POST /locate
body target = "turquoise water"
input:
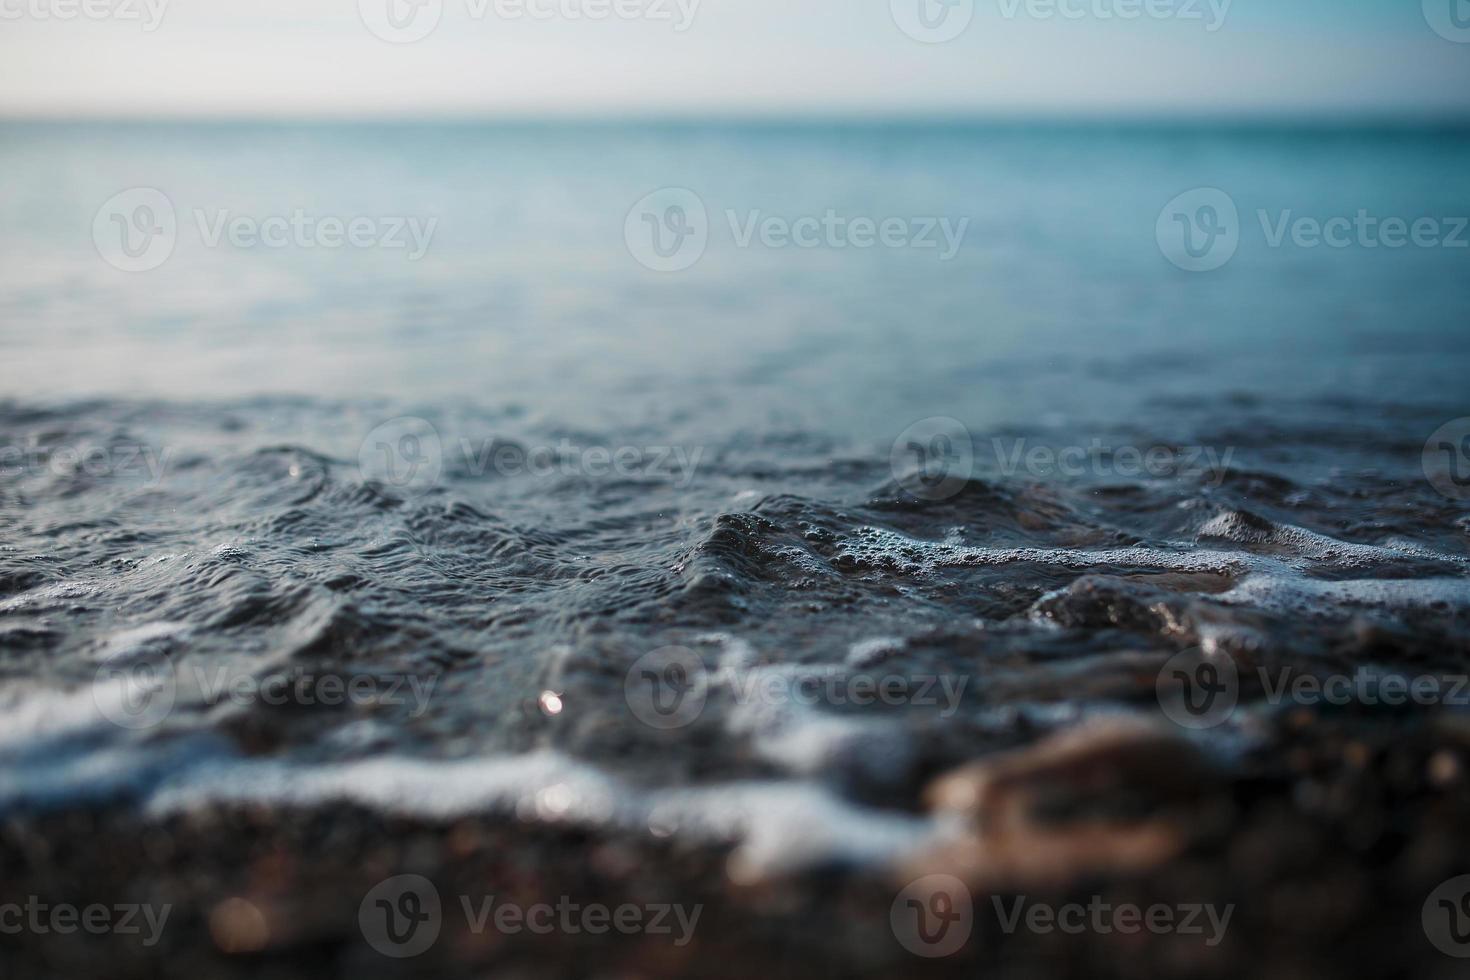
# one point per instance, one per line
(1058, 300)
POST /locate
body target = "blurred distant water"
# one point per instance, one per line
(1058, 302)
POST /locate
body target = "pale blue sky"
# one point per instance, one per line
(316, 57)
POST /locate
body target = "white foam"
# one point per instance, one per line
(929, 555)
(774, 716)
(543, 785)
(777, 826)
(1278, 592)
(1302, 543)
(1299, 546)
(137, 640)
(32, 714)
(56, 591)
(59, 747)
(869, 652)
(785, 826)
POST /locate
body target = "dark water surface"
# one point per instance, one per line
(496, 485)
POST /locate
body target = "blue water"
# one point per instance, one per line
(1059, 300)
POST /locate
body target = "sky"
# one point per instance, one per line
(394, 58)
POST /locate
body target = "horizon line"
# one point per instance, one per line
(1310, 117)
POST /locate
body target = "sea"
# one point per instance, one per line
(725, 480)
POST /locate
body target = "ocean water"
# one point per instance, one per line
(518, 485)
(1057, 301)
